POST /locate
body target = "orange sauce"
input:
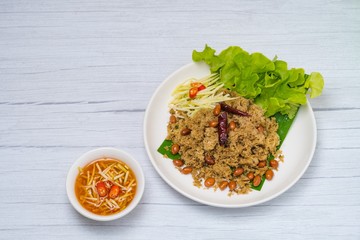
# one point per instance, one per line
(105, 186)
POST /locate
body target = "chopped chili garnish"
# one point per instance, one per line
(192, 92)
(196, 84)
(196, 87)
(201, 87)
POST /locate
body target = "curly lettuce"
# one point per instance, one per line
(270, 83)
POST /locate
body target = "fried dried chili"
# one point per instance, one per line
(232, 110)
(222, 128)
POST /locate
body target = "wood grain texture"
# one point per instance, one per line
(76, 75)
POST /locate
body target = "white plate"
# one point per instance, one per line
(298, 148)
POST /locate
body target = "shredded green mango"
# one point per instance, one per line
(206, 98)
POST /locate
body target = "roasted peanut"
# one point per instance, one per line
(257, 181)
(274, 164)
(178, 162)
(209, 182)
(172, 119)
(232, 185)
(260, 128)
(213, 123)
(217, 110)
(223, 185)
(261, 164)
(210, 160)
(186, 170)
(175, 149)
(232, 125)
(185, 131)
(269, 174)
(238, 172)
(250, 175)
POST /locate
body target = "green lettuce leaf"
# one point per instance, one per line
(270, 83)
(316, 84)
(208, 56)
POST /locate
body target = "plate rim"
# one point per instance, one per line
(148, 151)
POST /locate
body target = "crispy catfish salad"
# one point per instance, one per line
(226, 129)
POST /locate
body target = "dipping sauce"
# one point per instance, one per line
(105, 186)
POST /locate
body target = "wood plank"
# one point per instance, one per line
(76, 75)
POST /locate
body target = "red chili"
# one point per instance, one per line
(202, 87)
(114, 191)
(101, 189)
(195, 88)
(192, 92)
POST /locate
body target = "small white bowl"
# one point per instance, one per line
(89, 157)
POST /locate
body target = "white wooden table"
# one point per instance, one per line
(77, 75)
